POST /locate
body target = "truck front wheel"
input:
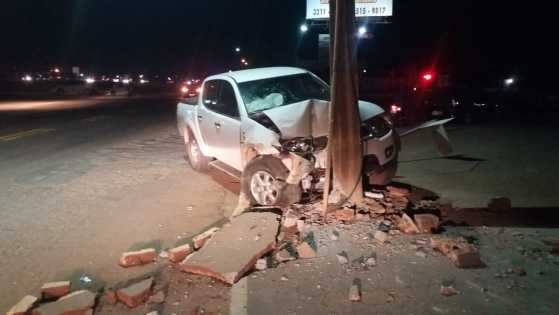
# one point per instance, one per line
(264, 181)
(196, 158)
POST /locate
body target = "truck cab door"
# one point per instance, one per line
(221, 124)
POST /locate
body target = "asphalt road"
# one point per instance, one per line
(85, 180)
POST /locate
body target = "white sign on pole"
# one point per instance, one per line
(320, 9)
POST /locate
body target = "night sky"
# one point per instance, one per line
(180, 35)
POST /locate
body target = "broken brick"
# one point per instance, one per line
(179, 253)
(345, 215)
(499, 204)
(157, 298)
(398, 191)
(135, 294)
(355, 291)
(141, 257)
(76, 303)
(23, 306)
(110, 297)
(55, 290)
(446, 245)
(407, 225)
(466, 257)
(301, 226)
(305, 251)
(426, 223)
(448, 290)
(381, 236)
(201, 239)
(284, 255)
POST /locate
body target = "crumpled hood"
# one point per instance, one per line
(310, 118)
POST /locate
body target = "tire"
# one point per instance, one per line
(196, 158)
(263, 180)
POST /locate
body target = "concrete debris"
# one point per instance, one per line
(355, 291)
(371, 260)
(342, 258)
(306, 251)
(179, 253)
(55, 290)
(157, 298)
(79, 303)
(499, 204)
(164, 254)
(23, 306)
(153, 313)
(426, 223)
(381, 236)
(345, 215)
(284, 278)
(459, 251)
(407, 226)
(448, 291)
(261, 264)
(137, 258)
(135, 294)
(201, 239)
(237, 243)
(374, 195)
(398, 191)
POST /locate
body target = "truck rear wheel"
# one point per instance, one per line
(196, 158)
(264, 181)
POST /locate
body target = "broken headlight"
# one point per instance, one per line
(374, 128)
(298, 145)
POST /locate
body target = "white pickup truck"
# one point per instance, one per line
(269, 127)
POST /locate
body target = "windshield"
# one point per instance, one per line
(265, 94)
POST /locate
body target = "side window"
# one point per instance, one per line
(211, 94)
(219, 97)
(228, 101)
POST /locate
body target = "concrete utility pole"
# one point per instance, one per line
(345, 159)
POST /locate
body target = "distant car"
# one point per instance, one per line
(190, 88)
(71, 88)
(467, 106)
(109, 88)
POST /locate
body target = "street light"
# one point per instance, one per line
(304, 28)
(237, 49)
(362, 31)
(509, 81)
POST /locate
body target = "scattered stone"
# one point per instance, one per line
(517, 271)
(137, 258)
(420, 242)
(284, 278)
(201, 239)
(381, 236)
(261, 264)
(55, 290)
(301, 226)
(23, 306)
(79, 302)
(110, 297)
(157, 298)
(179, 253)
(362, 217)
(407, 225)
(135, 294)
(342, 258)
(426, 223)
(164, 254)
(499, 204)
(421, 253)
(466, 257)
(306, 251)
(153, 313)
(448, 290)
(284, 255)
(334, 235)
(290, 221)
(446, 245)
(345, 215)
(237, 244)
(355, 291)
(371, 260)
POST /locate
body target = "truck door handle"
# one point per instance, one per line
(217, 125)
(200, 117)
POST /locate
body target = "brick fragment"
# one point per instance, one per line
(398, 191)
(110, 297)
(135, 294)
(137, 258)
(466, 257)
(407, 226)
(355, 291)
(381, 236)
(305, 251)
(179, 253)
(55, 290)
(75, 303)
(23, 306)
(426, 223)
(201, 239)
(345, 215)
